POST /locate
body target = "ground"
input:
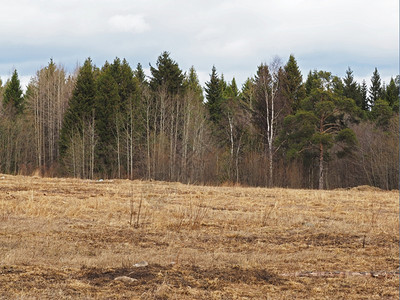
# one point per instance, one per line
(70, 239)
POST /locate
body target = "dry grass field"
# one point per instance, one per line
(70, 238)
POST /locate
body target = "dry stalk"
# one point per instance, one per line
(139, 209)
(131, 207)
(267, 213)
(192, 216)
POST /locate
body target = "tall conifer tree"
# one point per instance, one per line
(364, 96)
(166, 73)
(319, 124)
(214, 96)
(350, 88)
(375, 89)
(13, 94)
(81, 106)
(107, 102)
(292, 83)
(392, 95)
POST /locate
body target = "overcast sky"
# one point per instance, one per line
(235, 36)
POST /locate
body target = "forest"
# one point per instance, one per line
(277, 130)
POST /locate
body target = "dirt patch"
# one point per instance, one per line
(182, 276)
(145, 275)
(366, 188)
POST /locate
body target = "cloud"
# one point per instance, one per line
(129, 23)
(233, 35)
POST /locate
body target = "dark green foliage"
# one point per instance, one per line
(320, 123)
(117, 124)
(81, 106)
(312, 82)
(292, 83)
(350, 88)
(247, 94)
(364, 103)
(214, 96)
(13, 95)
(107, 103)
(234, 88)
(347, 140)
(192, 83)
(123, 77)
(392, 95)
(231, 90)
(322, 80)
(381, 113)
(338, 86)
(375, 90)
(166, 74)
(222, 83)
(298, 131)
(139, 74)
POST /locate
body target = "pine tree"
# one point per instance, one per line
(214, 96)
(13, 95)
(337, 86)
(375, 89)
(292, 83)
(313, 81)
(381, 113)
(319, 124)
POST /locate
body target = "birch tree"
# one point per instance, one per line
(47, 100)
(268, 108)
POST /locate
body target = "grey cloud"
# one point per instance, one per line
(236, 36)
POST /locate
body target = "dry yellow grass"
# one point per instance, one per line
(69, 238)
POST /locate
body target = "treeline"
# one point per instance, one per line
(276, 130)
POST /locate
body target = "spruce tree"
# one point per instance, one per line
(13, 95)
(222, 83)
(247, 94)
(192, 82)
(107, 102)
(392, 95)
(292, 83)
(375, 89)
(123, 76)
(364, 96)
(139, 74)
(214, 96)
(81, 105)
(167, 74)
(350, 88)
(234, 89)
